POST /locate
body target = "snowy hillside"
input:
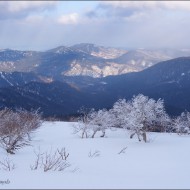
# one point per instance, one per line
(84, 60)
(99, 163)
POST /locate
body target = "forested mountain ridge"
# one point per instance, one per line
(169, 80)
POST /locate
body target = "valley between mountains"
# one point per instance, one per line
(62, 80)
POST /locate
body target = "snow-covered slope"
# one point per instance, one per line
(99, 51)
(15, 60)
(163, 163)
(85, 60)
(97, 71)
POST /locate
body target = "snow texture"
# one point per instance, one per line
(100, 163)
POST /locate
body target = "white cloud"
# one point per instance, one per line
(72, 18)
(136, 10)
(17, 9)
(16, 6)
(34, 19)
(129, 24)
(136, 16)
(171, 5)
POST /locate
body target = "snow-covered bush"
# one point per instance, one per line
(145, 114)
(182, 123)
(118, 113)
(16, 128)
(90, 122)
(55, 161)
(100, 121)
(139, 115)
(83, 123)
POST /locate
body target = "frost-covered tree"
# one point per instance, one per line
(145, 114)
(182, 123)
(100, 121)
(118, 113)
(83, 123)
(140, 114)
(90, 122)
(16, 128)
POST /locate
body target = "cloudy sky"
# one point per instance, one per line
(41, 25)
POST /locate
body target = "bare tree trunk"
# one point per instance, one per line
(144, 136)
(86, 134)
(10, 151)
(29, 137)
(103, 134)
(132, 135)
(138, 135)
(94, 134)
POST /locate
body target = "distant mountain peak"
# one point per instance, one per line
(84, 59)
(2, 50)
(99, 51)
(60, 49)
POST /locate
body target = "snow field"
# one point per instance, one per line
(162, 163)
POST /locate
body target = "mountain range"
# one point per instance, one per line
(84, 59)
(62, 80)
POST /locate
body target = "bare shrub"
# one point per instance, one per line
(7, 164)
(122, 151)
(16, 128)
(96, 153)
(56, 161)
(38, 162)
(81, 129)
